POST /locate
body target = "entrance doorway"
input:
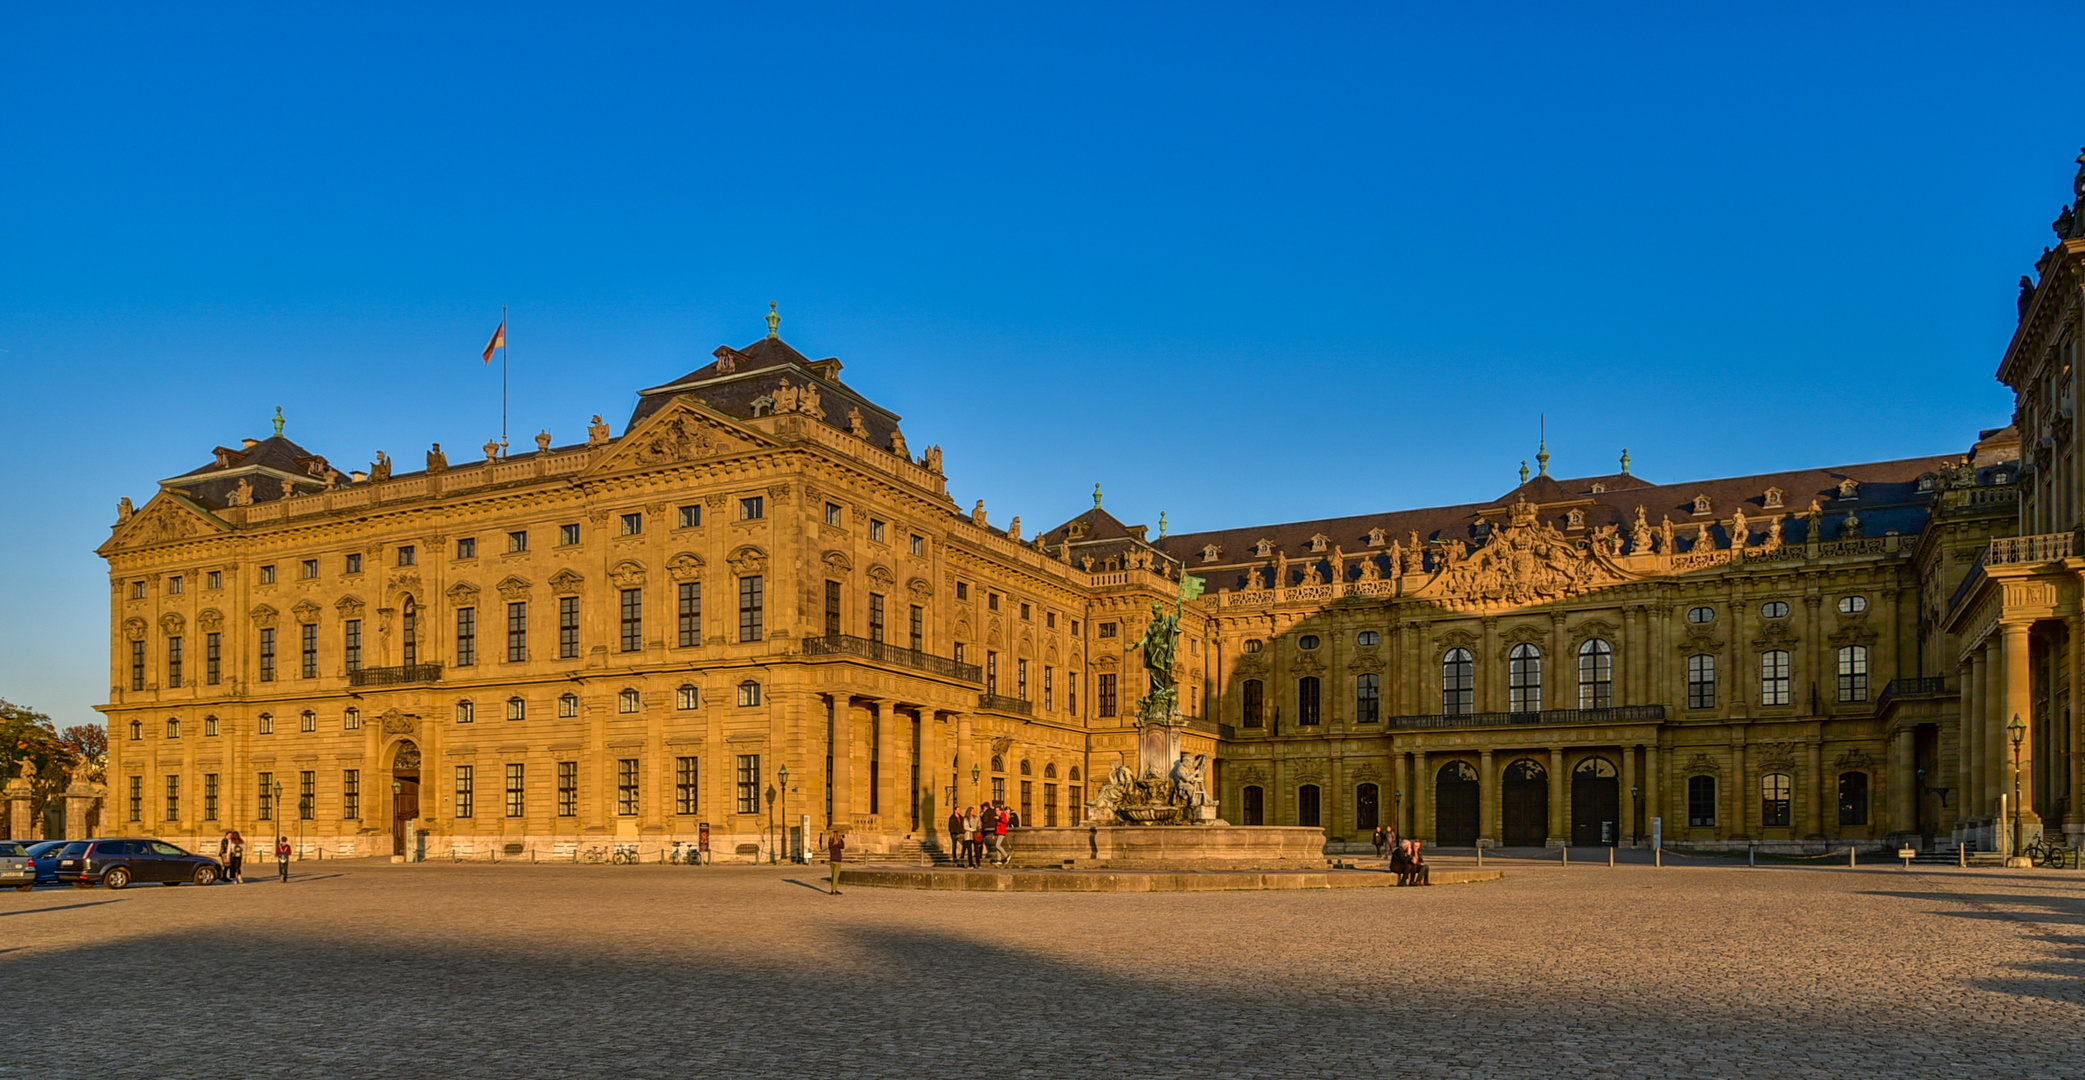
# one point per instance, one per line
(1455, 802)
(405, 793)
(1596, 804)
(1525, 800)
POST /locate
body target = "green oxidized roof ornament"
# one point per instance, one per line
(278, 421)
(774, 319)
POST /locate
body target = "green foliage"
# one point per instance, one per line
(28, 735)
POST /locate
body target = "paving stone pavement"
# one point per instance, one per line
(372, 970)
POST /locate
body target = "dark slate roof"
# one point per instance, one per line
(725, 385)
(1888, 500)
(212, 484)
(1100, 525)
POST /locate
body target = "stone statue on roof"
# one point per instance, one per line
(1740, 529)
(436, 459)
(1339, 565)
(1665, 540)
(1396, 558)
(855, 426)
(897, 444)
(1640, 534)
(124, 510)
(241, 495)
(380, 469)
(597, 432)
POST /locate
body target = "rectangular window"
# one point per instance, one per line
(685, 778)
(267, 654)
(567, 627)
(466, 711)
(173, 798)
(690, 614)
(352, 564)
(876, 617)
(267, 800)
(633, 524)
(1108, 629)
(1071, 692)
(1021, 679)
(309, 665)
(999, 789)
(1025, 614)
(750, 626)
(1773, 677)
(517, 632)
(1701, 681)
(568, 535)
(267, 576)
(137, 800)
(466, 790)
(215, 579)
(174, 662)
(918, 628)
(351, 720)
(1049, 687)
(1027, 802)
(517, 708)
(1307, 700)
(991, 672)
(568, 789)
(748, 801)
(958, 652)
(626, 787)
(919, 544)
(517, 541)
(1774, 802)
(691, 516)
(308, 721)
(1368, 698)
(1853, 673)
(307, 795)
(310, 569)
(1049, 806)
(832, 513)
(633, 620)
(1050, 620)
(1107, 693)
(407, 555)
(351, 794)
(137, 590)
(466, 636)
(209, 796)
(352, 644)
(832, 609)
(466, 548)
(752, 509)
(1701, 800)
(992, 601)
(137, 665)
(516, 801)
(962, 590)
(213, 658)
(265, 724)
(876, 530)
(175, 583)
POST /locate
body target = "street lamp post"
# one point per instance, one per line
(783, 775)
(1399, 819)
(975, 774)
(1635, 812)
(2018, 731)
(277, 808)
(771, 825)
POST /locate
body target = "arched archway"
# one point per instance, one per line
(1596, 803)
(1524, 798)
(1455, 802)
(405, 791)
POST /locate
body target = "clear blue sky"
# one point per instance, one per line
(1239, 263)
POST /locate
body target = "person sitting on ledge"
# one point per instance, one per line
(1416, 870)
(1401, 863)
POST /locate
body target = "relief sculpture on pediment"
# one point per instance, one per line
(1527, 562)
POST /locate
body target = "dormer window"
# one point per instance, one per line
(1575, 519)
(1926, 483)
(1598, 488)
(1264, 549)
(1376, 538)
(1211, 553)
(1773, 498)
(2001, 477)
(1317, 543)
(1702, 505)
(1849, 489)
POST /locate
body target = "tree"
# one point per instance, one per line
(88, 744)
(29, 736)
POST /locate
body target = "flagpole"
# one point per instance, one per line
(505, 351)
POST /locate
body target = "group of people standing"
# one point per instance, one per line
(231, 852)
(976, 835)
(1406, 861)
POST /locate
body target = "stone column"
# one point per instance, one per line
(1631, 798)
(1651, 806)
(1992, 731)
(1490, 681)
(1813, 814)
(17, 794)
(1400, 792)
(1903, 781)
(80, 798)
(1736, 827)
(1422, 798)
(1965, 741)
(966, 760)
(2019, 702)
(1556, 796)
(842, 751)
(1553, 677)
(1487, 800)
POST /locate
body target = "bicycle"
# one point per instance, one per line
(686, 854)
(594, 855)
(2048, 851)
(625, 855)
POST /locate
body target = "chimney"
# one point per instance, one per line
(358, 475)
(249, 444)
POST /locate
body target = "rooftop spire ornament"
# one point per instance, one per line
(1542, 452)
(1523, 470)
(1625, 461)
(774, 320)
(1161, 524)
(278, 421)
(1096, 496)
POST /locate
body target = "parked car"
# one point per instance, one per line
(17, 869)
(118, 861)
(45, 852)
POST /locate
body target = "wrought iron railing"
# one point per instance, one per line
(1627, 714)
(1922, 686)
(2013, 550)
(395, 676)
(1001, 703)
(883, 652)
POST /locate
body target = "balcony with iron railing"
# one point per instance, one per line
(884, 652)
(1004, 704)
(1627, 714)
(2014, 551)
(395, 676)
(1922, 686)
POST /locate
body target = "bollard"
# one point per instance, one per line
(1610, 857)
(1962, 854)
(1751, 855)
(1566, 852)
(1658, 858)
(1850, 857)
(1480, 855)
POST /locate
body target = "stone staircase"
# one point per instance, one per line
(912, 853)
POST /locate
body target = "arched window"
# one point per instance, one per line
(1701, 681)
(1253, 702)
(998, 763)
(1050, 771)
(1074, 774)
(1254, 644)
(1524, 679)
(1368, 698)
(409, 631)
(1308, 805)
(1596, 675)
(1774, 791)
(1307, 700)
(1026, 768)
(1773, 677)
(568, 705)
(1853, 673)
(517, 709)
(748, 693)
(1458, 683)
(1307, 642)
(1368, 807)
(687, 697)
(1367, 637)
(1701, 800)
(466, 712)
(173, 727)
(137, 730)
(1699, 615)
(1255, 800)
(1853, 798)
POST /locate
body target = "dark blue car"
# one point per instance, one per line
(45, 853)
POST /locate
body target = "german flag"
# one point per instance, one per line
(499, 341)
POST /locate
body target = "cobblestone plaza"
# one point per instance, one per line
(369, 969)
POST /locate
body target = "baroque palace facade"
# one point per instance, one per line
(758, 612)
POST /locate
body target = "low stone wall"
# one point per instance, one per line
(1136, 880)
(1240, 846)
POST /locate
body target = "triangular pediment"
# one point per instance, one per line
(682, 431)
(168, 518)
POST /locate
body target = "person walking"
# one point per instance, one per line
(955, 834)
(282, 857)
(1006, 821)
(224, 854)
(836, 849)
(972, 837)
(235, 859)
(1382, 840)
